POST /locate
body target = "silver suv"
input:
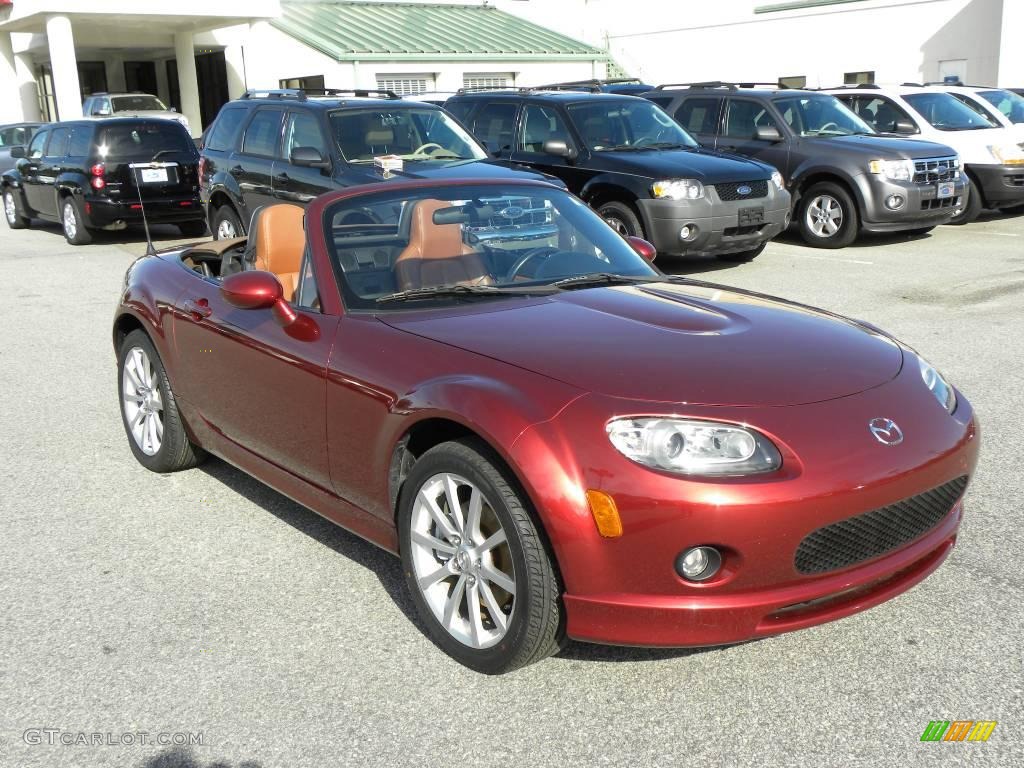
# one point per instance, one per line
(130, 105)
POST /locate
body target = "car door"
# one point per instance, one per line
(253, 165)
(738, 133)
(251, 381)
(30, 169)
(294, 183)
(50, 168)
(537, 124)
(495, 125)
(699, 116)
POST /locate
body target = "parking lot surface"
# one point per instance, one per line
(206, 603)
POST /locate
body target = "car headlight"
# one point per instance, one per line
(897, 170)
(677, 189)
(692, 447)
(938, 386)
(1007, 154)
(778, 181)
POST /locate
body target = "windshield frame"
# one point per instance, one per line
(913, 100)
(422, 109)
(668, 123)
(780, 102)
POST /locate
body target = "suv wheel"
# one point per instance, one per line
(226, 224)
(621, 218)
(14, 219)
(71, 220)
(971, 208)
(828, 216)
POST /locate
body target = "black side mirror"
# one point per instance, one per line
(558, 148)
(904, 126)
(768, 133)
(309, 157)
(17, 152)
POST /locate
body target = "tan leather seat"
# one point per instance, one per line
(280, 241)
(436, 254)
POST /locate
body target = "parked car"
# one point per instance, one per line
(843, 179)
(98, 174)
(558, 439)
(992, 158)
(134, 104)
(290, 146)
(13, 135)
(629, 161)
(1005, 106)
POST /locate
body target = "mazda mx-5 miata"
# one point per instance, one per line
(559, 440)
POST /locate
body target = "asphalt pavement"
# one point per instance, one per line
(203, 606)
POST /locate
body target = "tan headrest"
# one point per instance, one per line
(280, 238)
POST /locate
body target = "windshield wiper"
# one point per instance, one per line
(603, 278)
(668, 145)
(462, 290)
(622, 148)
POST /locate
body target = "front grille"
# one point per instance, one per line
(874, 533)
(730, 192)
(737, 231)
(931, 170)
(935, 203)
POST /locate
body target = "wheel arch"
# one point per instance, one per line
(809, 178)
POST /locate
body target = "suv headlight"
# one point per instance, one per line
(897, 170)
(778, 181)
(677, 189)
(938, 386)
(1007, 154)
(692, 447)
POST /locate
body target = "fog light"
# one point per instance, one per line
(894, 202)
(684, 233)
(698, 563)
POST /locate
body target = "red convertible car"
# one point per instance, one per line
(559, 440)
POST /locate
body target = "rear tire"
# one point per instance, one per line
(226, 224)
(622, 219)
(741, 257)
(972, 209)
(193, 228)
(828, 216)
(73, 221)
(14, 219)
(492, 609)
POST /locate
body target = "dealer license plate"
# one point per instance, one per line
(154, 175)
(748, 217)
(946, 189)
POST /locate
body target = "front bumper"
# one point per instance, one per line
(1001, 185)
(625, 590)
(921, 208)
(103, 212)
(718, 225)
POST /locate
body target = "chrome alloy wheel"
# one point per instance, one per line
(140, 398)
(226, 231)
(70, 220)
(9, 208)
(824, 216)
(462, 561)
(618, 225)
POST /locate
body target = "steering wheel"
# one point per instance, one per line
(422, 150)
(646, 139)
(546, 251)
(829, 126)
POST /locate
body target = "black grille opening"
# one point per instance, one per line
(936, 169)
(730, 192)
(874, 533)
(935, 203)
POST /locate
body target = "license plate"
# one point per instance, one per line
(748, 217)
(946, 189)
(153, 175)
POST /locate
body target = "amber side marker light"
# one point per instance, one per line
(606, 514)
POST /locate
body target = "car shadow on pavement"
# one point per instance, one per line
(179, 757)
(692, 265)
(133, 234)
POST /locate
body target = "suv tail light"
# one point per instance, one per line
(97, 180)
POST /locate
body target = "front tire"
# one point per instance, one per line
(149, 410)
(741, 257)
(14, 219)
(828, 216)
(226, 224)
(475, 563)
(73, 222)
(972, 209)
(622, 219)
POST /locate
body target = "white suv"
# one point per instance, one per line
(1005, 106)
(989, 151)
(130, 105)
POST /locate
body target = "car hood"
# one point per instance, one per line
(445, 169)
(880, 147)
(672, 342)
(706, 165)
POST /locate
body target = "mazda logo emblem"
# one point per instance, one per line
(886, 431)
(743, 190)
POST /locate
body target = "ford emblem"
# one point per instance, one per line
(512, 212)
(743, 190)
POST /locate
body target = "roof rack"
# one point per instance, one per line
(301, 94)
(852, 87)
(590, 83)
(723, 84)
(479, 88)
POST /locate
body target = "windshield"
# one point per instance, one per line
(412, 134)
(489, 240)
(820, 116)
(1007, 102)
(947, 113)
(138, 103)
(142, 141)
(611, 124)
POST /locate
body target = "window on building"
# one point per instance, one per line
(859, 78)
(312, 82)
(484, 80)
(793, 81)
(406, 85)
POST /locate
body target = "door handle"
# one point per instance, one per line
(198, 308)
(282, 177)
(236, 170)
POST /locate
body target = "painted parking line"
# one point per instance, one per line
(824, 258)
(983, 232)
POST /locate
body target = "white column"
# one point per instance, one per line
(64, 64)
(234, 60)
(10, 98)
(188, 83)
(27, 86)
(1011, 54)
(114, 67)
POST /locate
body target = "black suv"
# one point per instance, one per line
(844, 178)
(97, 174)
(292, 145)
(628, 160)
